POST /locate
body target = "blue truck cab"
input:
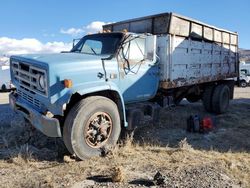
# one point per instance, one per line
(81, 94)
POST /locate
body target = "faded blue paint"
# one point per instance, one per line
(83, 70)
(141, 86)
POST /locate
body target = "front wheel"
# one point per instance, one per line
(243, 83)
(93, 123)
(4, 88)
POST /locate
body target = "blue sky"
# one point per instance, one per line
(45, 20)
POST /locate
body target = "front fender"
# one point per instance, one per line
(57, 107)
(113, 87)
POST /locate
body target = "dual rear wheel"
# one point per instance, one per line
(216, 98)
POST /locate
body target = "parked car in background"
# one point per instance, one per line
(5, 83)
(244, 79)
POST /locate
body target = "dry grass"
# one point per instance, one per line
(129, 161)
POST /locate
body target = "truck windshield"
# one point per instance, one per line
(98, 44)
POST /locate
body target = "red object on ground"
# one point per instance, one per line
(207, 123)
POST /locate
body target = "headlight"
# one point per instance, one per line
(42, 81)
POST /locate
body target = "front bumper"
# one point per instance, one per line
(48, 126)
(6, 86)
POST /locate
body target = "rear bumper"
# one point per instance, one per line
(48, 126)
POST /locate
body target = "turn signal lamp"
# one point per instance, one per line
(68, 83)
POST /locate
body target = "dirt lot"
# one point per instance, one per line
(220, 158)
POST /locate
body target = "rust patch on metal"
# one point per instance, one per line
(192, 81)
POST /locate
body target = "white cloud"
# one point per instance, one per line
(10, 46)
(72, 31)
(93, 27)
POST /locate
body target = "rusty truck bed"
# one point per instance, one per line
(190, 52)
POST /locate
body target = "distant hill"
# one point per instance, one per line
(244, 55)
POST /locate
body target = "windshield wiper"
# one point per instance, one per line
(93, 50)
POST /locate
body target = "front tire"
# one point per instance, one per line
(243, 83)
(4, 88)
(93, 123)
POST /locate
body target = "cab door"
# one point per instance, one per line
(138, 68)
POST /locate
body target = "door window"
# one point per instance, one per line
(134, 50)
(243, 71)
(132, 55)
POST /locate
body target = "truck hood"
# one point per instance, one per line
(82, 69)
(58, 58)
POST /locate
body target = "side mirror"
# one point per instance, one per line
(150, 48)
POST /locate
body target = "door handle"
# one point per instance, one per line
(100, 75)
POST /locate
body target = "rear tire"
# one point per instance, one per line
(220, 99)
(92, 124)
(207, 98)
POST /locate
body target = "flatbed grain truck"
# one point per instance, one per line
(112, 80)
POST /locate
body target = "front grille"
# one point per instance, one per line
(27, 76)
(27, 97)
